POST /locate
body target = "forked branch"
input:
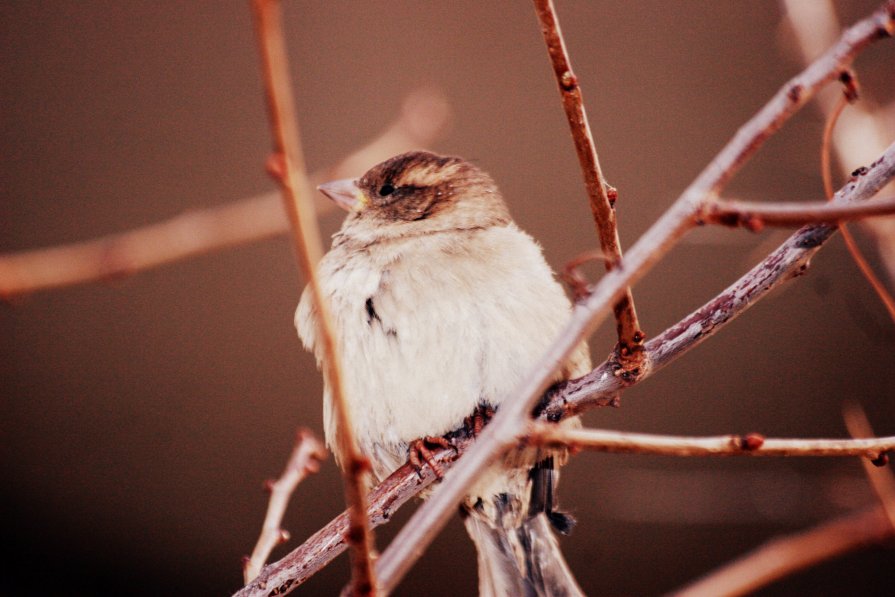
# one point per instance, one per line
(509, 422)
(601, 386)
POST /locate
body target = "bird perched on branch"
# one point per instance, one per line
(440, 305)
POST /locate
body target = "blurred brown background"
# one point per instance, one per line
(139, 417)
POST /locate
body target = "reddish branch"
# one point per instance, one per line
(602, 205)
(601, 386)
(309, 251)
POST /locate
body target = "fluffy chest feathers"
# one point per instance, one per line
(431, 327)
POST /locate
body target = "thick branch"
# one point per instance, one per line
(309, 251)
(630, 337)
(752, 444)
(416, 535)
(422, 119)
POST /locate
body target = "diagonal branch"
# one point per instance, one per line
(309, 251)
(196, 232)
(499, 436)
(602, 206)
(598, 388)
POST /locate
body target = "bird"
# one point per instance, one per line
(440, 304)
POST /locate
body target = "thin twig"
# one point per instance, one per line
(881, 479)
(416, 535)
(305, 459)
(754, 215)
(601, 386)
(630, 336)
(752, 444)
(196, 232)
(783, 556)
(309, 251)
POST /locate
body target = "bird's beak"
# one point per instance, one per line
(345, 193)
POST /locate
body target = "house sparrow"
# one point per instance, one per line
(441, 304)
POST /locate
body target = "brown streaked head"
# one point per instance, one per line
(422, 191)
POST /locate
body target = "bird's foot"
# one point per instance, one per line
(475, 422)
(420, 452)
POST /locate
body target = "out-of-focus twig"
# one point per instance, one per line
(422, 120)
(786, 555)
(309, 251)
(602, 206)
(305, 459)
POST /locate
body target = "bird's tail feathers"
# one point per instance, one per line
(524, 561)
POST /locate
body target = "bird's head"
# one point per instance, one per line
(418, 193)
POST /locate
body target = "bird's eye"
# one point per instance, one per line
(386, 189)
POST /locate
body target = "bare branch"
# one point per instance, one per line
(309, 251)
(602, 206)
(755, 215)
(752, 444)
(416, 535)
(783, 556)
(423, 117)
(305, 459)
